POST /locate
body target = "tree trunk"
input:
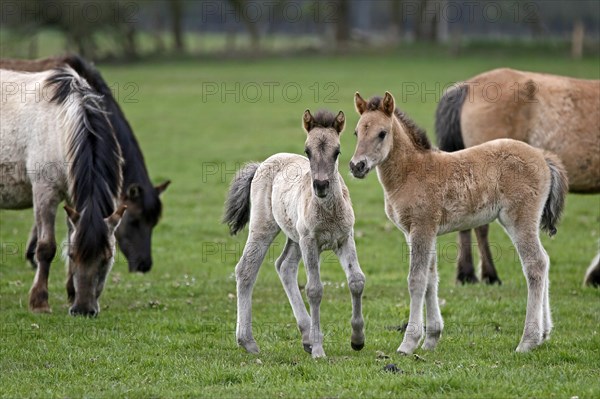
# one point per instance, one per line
(176, 8)
(397, 18)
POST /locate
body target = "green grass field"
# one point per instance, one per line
(171, 332)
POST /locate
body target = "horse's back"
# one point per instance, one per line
(556, 113)
(276, 190)
(31, 137)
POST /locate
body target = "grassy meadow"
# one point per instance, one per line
(171, 332)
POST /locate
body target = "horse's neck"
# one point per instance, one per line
(403, 157)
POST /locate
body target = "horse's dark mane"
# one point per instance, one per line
(94, 158)
(134, 168)
(323, 118)
(416, 133)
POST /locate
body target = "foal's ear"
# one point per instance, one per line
(340, 122)
(359, 103)
(72, 214)
(114, 219)
(307, 121)
(389, 104)
(162, 186)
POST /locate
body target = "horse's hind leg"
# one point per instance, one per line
(422, 246)
(435, 323)
(535, 263)
(287, 268)
(465, 272)
(356, 282)
(31, 245)
(246, 271)
(488, 270)
(45, 203)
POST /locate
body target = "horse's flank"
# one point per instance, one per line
(556, 113)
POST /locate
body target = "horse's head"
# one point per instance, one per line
(88, 269)
(322, 148)
(134, 234)
(374, 133)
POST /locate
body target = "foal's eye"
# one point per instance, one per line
(356, 132)
(336, 154)
(382, 134)
(307, 152)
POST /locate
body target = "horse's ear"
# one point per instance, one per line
(389, 104)
(340, 122)
(114, 219)
(359, 103)
(162, 186)
(134, 192)
(72, 214)
(307, 121)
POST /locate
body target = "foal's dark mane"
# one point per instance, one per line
(416, 133)
(134, 167)
(94, 158)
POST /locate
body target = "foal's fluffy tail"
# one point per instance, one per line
(447, 119)
(556, 197)
(237, 205)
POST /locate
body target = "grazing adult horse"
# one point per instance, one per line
(144, 207)
(57, 144)
(555, 113)
(428, 193)
(308, 200)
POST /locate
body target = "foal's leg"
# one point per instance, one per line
(45, 203)
(488, 271)
(422, 246)
(356, 282)
(547, 316)
(535, 263)
(314, 292)
(287, 268)
(435, 323)
(465, 272)
(70, 285)
(31, 245)
(246, 271)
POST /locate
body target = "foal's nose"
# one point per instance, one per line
(320, 187)
(358, 169)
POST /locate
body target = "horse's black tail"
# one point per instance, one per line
(556, 197)
(237, 205)
(447, 119)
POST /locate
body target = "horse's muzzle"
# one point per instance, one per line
(321, 188)
(359, 169)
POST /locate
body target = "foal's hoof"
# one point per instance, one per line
(250, 346)
(41, 309)
(307, 348)
(357, 347)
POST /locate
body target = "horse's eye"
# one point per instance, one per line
(356, 132)
(307, 152)
(382, 134)
(336, 154)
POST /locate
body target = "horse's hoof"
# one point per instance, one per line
(41, 309)
(491, 280)
(318, 353)
(307, 348)
(405, 350)
(357, 347)
(467, 279)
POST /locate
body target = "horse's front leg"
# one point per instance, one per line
(314, 292)
(356, 282)
(421, 245)
(32, 245)
(45, 203)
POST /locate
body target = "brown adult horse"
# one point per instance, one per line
(555, 113)
(144, 207)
